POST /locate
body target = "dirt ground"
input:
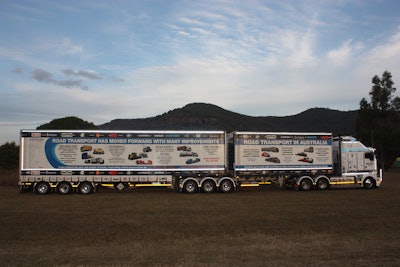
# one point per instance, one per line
(159, 227)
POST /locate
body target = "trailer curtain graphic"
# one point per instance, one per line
(177, 152)
(257, 151)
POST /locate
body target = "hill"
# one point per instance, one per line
(201, 116)
(72, 122)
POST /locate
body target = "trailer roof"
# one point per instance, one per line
(281, 133)
(120, 131)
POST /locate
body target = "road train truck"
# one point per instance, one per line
(82, 161)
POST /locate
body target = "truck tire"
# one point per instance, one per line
(305, 184)
(85, 188)
(64, 188)
(226, 186)
(322, 184)
(208, 186)
(369, 183)
(190, 187)
(43, 188)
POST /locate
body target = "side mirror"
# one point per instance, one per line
(369, 156)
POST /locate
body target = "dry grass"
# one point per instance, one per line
(8, 177)
(159, 227)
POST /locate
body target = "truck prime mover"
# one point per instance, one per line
(66, 161)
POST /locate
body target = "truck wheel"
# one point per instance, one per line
(42, 188)
(369, 183)
(226, 186)
(190, 187)
(208, 186)
(85, 188)
(64, 188)
(305, 184)
(322, 184)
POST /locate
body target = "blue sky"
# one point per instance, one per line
(102, 60)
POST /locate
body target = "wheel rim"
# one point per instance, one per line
(368, 183)
(226, 186)
(322, 184)
(190, 187)
(42, 188)
(64, 188)
(305, 185)
(85, 188)
(208, 187)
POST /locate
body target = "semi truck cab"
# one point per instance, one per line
(355, 163)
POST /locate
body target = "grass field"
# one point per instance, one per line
(9, 177)
(159, 227)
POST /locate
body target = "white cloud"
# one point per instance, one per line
(388, 51)
(58, 47)
(345, 53)
(89, 74)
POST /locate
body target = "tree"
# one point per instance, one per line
(68, 123)
(9, 156)
(378, 120)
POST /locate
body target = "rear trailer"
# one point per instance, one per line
(68, 161)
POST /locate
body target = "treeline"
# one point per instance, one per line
(9, 156)
(378, 123)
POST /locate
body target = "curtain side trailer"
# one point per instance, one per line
(70, 160)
